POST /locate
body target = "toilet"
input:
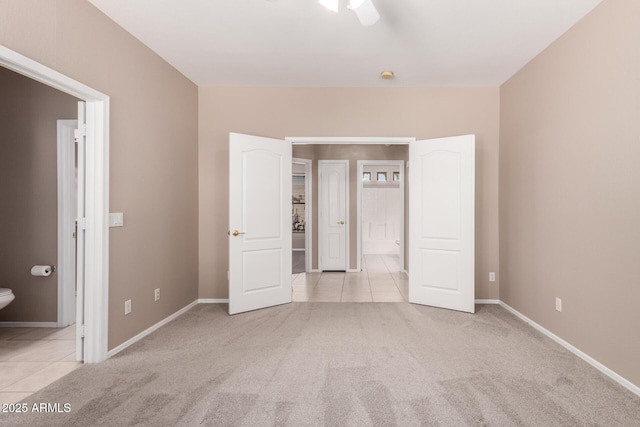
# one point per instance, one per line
(6, 296)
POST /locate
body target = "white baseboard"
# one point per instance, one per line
(213, 301)
(353, 270)
(147, 331)
(590, 360)
(487, 301)
(28, 324)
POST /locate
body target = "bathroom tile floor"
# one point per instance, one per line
(379, 281)
(32, 358)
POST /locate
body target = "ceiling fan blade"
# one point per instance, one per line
(366, 12)
(332, 5)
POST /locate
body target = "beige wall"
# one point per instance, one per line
(153, 155)
(28, 193)
(569, 176)
(281, 112)
(353, 153)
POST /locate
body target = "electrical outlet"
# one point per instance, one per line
(156, 294)
(127, 306)
(558, 304)
(492, 276)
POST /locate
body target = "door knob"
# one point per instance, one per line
(340, 222)
(236, 232)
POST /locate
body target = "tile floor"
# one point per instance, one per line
(379, 281)
(32, 358)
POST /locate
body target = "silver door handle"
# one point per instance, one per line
(341, 222)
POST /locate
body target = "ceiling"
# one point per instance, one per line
(300, 43)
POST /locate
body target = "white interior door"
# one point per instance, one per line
(67, 214)
(333, 214)
(259, 222)
(80, 137)
(441, 222)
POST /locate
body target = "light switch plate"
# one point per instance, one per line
(116, 219)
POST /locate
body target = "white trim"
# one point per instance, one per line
(359, 189)
(302, 140)
(97, 232)
(590, 360)
(28, 324)
(67, 209)
(353, 270)
(43, 74)
(151, 329)
(213, 301)
(308, 201)
(347, 221)
(487, 301)
(97, 200)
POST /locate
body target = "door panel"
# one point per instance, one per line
(441, 221)
(333, 214)
(259, 211)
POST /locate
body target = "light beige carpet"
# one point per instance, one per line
(339, 364)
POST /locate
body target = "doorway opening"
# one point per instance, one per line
(366, 277)
(93, 225)
(381, 210)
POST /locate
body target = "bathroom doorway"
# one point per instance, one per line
(381, 209)
(94, 170)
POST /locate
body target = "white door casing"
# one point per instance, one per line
(81, 225)
(441, 222)
(259, 222)
(333, 214)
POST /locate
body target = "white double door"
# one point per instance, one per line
(441, 222)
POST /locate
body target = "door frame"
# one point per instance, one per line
(96, 254)
(347, 225)
(308, 202)
(359, 191)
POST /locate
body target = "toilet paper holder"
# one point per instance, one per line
(43, 270)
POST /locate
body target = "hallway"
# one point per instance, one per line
(379, 281)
